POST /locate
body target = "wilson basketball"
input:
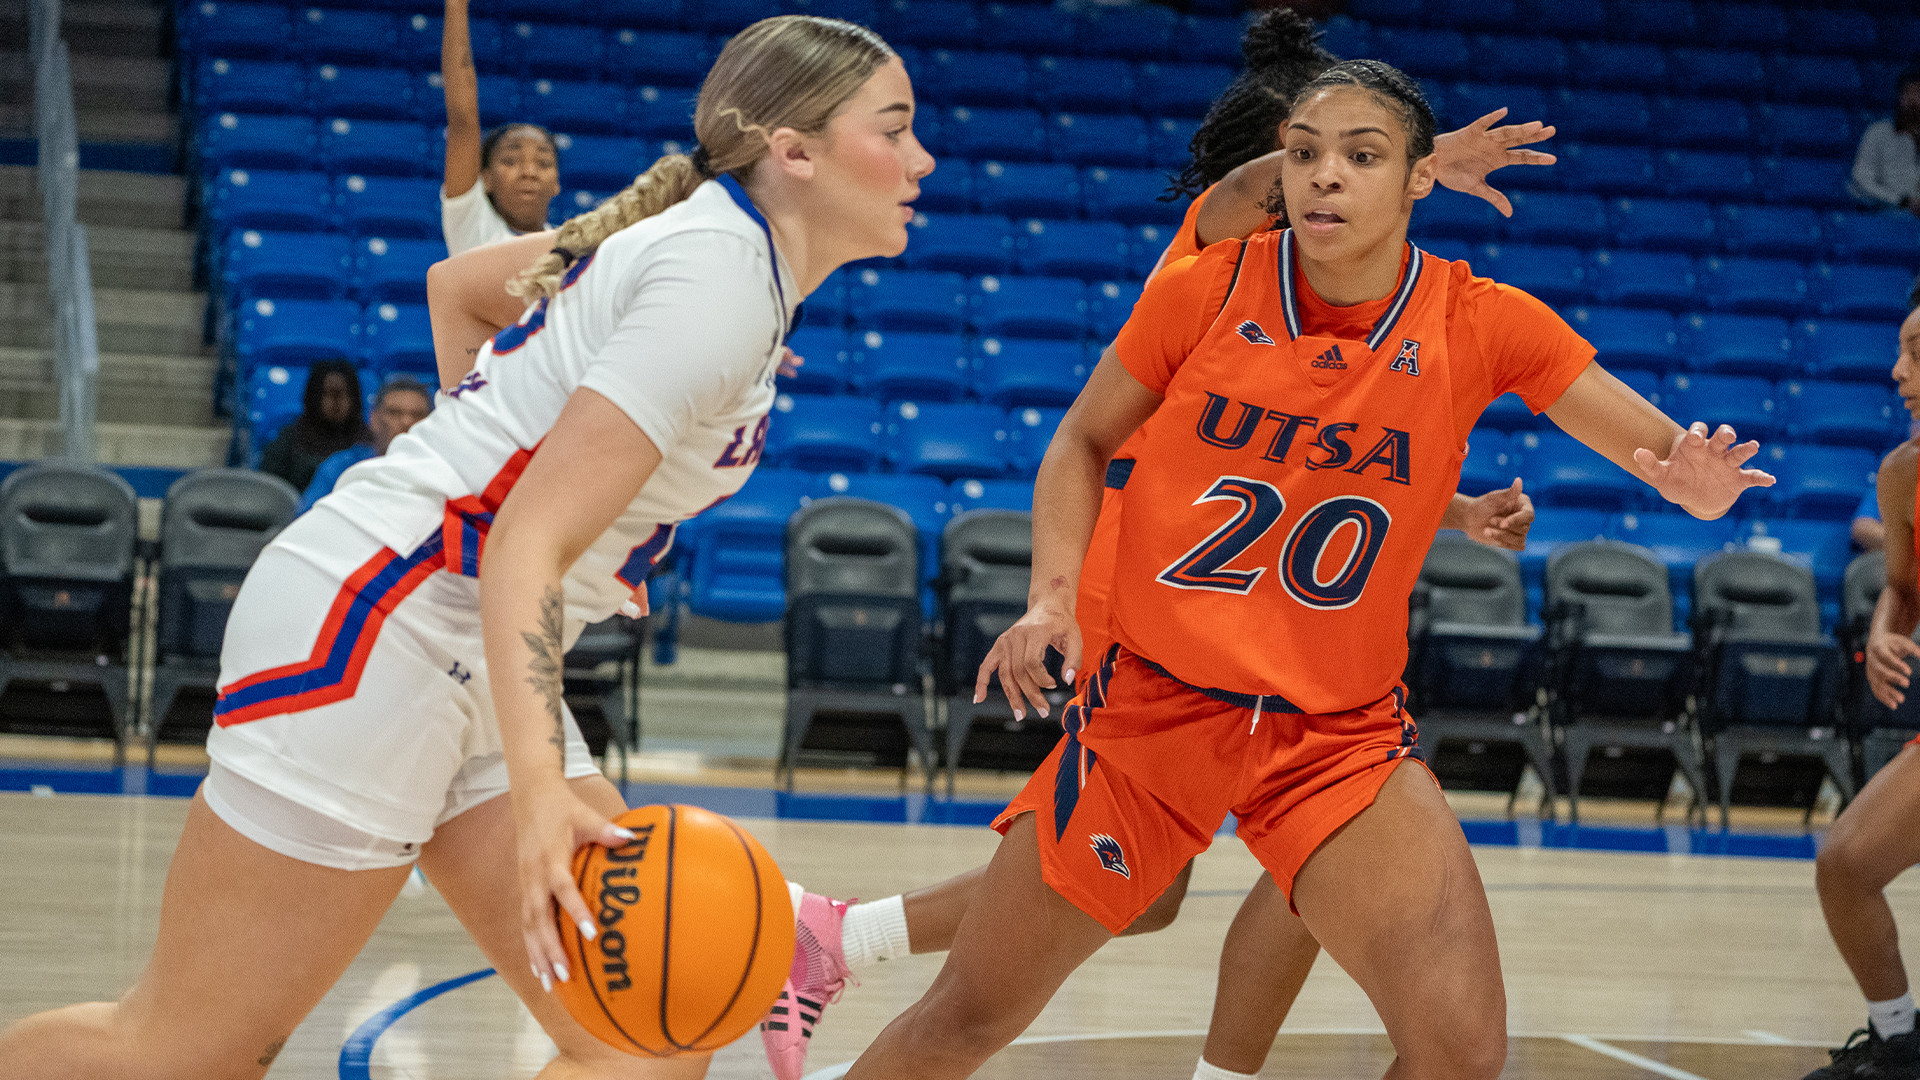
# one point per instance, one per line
(696, 934)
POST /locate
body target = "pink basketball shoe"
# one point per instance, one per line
(819, 976)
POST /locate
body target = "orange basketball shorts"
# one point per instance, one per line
(1151, 767)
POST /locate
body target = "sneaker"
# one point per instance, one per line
(1867, 1056)
(818, 978)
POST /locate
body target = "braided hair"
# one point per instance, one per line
(1283, 53)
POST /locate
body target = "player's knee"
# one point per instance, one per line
(1845, 865)
(1465, 1048)
(957, 1025)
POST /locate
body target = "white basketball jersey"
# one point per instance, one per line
(679, 321)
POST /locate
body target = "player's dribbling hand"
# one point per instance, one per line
(1500, 518)
(1020, 656)
(790, 362)
(1888, 669)
(550, 824)
(1463, 159)
(1703, 475)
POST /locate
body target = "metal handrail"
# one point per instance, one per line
(76, 346)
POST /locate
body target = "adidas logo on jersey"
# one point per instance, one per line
(1331, 360)
(1252, 332)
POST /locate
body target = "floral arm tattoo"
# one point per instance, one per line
(547, 668)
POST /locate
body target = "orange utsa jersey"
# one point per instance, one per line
(1286, 491)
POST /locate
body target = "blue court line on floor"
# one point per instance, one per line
(356, 1055)
(919, 808)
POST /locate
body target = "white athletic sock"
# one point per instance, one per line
(1204, 1071)
(1891, 1018)
(875, 932)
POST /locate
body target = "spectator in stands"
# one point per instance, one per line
(497, 186)
(403, 402)
(1886, 171)
(330, 421)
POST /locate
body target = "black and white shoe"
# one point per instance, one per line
(1867, 1056)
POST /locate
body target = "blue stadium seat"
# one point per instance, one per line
(1129, 196)
(1142, 31)
(1027, 28)
(552, 48)
(1492, 462)
(1825, 482)
(1427, 53)
(265, 86)
(284, 265)
(994, 133)
(904, 364)
(1554, 530)
(1815, 182)
(418, 45)
(386, 269)
(1566, 20)
(833, 303)
(735, 552)
(363, 93)
(1844, 413)
(1707, 123)
(1538, 60)
(1029, 431)
(965, 495)
(232, 28)
(1072, 83)
(1677, 541)
(1741, 345)
(1664, 224)
(399, 338)
(1879, 238)
(1630, 337)
(1027, 189)
(1084, 249)
(392, 206)
(966, 243)
(1560, 471)
(1555, 217)
(1034, 307)
(1832, 30)
(1822, 546)
(1664, 21)
(658, 57)
(268, 199)
(1102, 139)
(950, 441)
(576, 107)
(1618, 65)
(1729, 72)
(1759, 286)
(273, 395)
(926, 300)
(602, 161)
(821, 434)
(1842, 349)
(1553, 273)
(490, 50)
(386, 147)
(1446, 213)
(1745, 25)
(1344, 37)
(1645, 383)
(1774, 231)
(657, 113)
(1109, 304)
(1181, 89)
(924, 499)
(931, 23)
(1605, 116)
(948, 189)
(1707, 174)
(1018, 372)
(296, 331)
(255, 141)
(340, 34)
(1172, 142)
(1392, 12)
(1469, 101)
(1608, 170)
(1747, 402)
(1899, 35)
(500, 98)
(827, 366)
(1832, 80)
(1824, 130)
(1644, 278)
(1509, 413)
(1864, 292)
(977, 78)
(724, 16)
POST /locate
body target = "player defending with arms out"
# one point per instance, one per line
(497, 184)
(1874, 840)
(1294, 471)
(393, 663)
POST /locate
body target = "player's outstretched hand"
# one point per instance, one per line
(790, 362)
(550, 824)
(1464, 158)
(1703, 475)
(1888, 666)
(1020, 656)
(1500, 518)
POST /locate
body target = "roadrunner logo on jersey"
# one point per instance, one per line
(1109, 849)
(1409, 358)
(1252, 332)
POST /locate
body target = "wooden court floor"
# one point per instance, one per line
(1618, 966)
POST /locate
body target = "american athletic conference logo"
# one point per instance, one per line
(1252, 332)
(1110, 855)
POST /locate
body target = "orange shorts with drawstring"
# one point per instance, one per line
(1151, 767)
